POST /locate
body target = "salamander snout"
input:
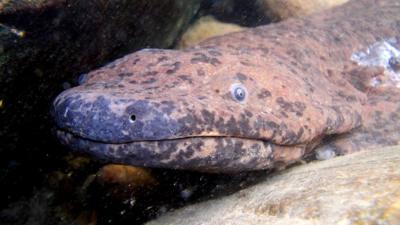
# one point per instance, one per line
(112, 119)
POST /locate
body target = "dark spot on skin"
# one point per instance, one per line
(172, 85)
(329, 72)
(296, 54)
(289, 137)
(159, 60)
(151, 88)
(162, 58)
(296, 107)
(264, 94)
(200, 58)
(241, 76)
(264, 50)
(293, 63)
(186, 78)
(231, 127)
(248, 113)
(209, 46)
(208, 117)
(299, 108)
(293, 71)
(246, 63)
(175, 67)
(132, 81)
(300, 133)
(333, 124)
(307, 66)
(244, 123)
(189, 123)
(150, 73)
(135, 61)
(149, 81)
(187, 153)
(203, 58)
(168, 149)
(349, 98)
(215, 62)
(122, 75)
(214, 53)
(110, 85)
(216, 91)
(284, 114)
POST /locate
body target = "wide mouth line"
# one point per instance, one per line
(65, 132)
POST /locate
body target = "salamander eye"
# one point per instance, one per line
(132, 118)
(238, 92)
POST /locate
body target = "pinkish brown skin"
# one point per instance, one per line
(177, 109)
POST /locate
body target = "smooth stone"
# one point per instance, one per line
(204, 28)
(360, 188)
(283, 9)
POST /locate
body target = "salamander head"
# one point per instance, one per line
(198, 109)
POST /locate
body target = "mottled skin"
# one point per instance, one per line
(175, 109)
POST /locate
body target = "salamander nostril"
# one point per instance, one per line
(132, 118)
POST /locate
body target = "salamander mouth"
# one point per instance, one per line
(201, 153)
(63, 132)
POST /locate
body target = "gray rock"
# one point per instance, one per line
(361, 188)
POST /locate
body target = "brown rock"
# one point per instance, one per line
(130, 176)
(283, 9)
(206, 27)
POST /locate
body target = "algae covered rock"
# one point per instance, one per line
(361, 188)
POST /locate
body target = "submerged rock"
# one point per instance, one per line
(204, 28)
(122, 181)
(361, 188)
(134, 177)
(283, 9)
